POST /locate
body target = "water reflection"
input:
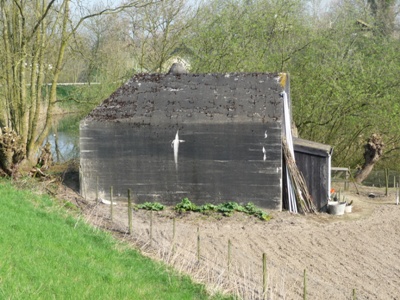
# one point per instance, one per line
(64, 138)
(64, 146)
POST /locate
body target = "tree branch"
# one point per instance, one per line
(113, 10)
(41, 19)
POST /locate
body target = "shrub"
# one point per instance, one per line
(151, 206)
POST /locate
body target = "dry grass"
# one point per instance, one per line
(243, 280)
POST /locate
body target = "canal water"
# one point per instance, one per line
(64, 138)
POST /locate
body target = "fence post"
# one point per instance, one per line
(198, 244)
(305, 286)
(229, 257)
(354, 182)
(264, 264)
(129, 212)
(97, 189)
(151, 227)
(386, 182)
(112, 203)
(173, 234)
(347, 179)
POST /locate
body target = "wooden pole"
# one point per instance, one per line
(305, 286)
(229, 256)
(173, 228)
(112, 203)
(264, 264)
(354, 182)
(386, 182)
(97, 189)
(129, 212)
(173, 234)
(151, 227)
(198, 245)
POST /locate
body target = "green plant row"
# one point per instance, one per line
(226, 209)
(151, 206)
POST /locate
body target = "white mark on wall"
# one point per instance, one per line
(102, 199)
(107, 202)
(175, 146)
(265, 134)
(173, 90)
(182, 192)
(265, 154)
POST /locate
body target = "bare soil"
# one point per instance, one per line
(356, 253)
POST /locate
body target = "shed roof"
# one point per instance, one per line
(194, 98)
(310, 147)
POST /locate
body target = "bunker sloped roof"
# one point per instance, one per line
(193, 98)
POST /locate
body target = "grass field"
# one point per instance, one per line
(46, 253)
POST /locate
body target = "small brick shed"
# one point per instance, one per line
(209, 137)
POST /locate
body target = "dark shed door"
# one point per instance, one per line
(313, 160)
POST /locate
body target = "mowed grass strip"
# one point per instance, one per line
(48, 254)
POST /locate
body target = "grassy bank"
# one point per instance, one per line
(47, 254)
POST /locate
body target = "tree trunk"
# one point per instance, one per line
(373, 152)
(32, 32)
(12, 152)
(57, 70)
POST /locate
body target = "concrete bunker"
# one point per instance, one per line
(210, 137)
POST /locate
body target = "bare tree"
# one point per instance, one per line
(372, 154)
(107, 50)
(157, 32)
(35, 35)
(384, 13)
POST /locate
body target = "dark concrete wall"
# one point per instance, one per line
(225, 122)
(216, 163)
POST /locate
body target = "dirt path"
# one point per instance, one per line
(358, 251)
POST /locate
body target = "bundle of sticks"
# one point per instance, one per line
(297, 183)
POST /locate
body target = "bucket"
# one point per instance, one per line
(348, 208)
(336, 208)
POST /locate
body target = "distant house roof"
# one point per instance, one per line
(364, 25)
(194, 98)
